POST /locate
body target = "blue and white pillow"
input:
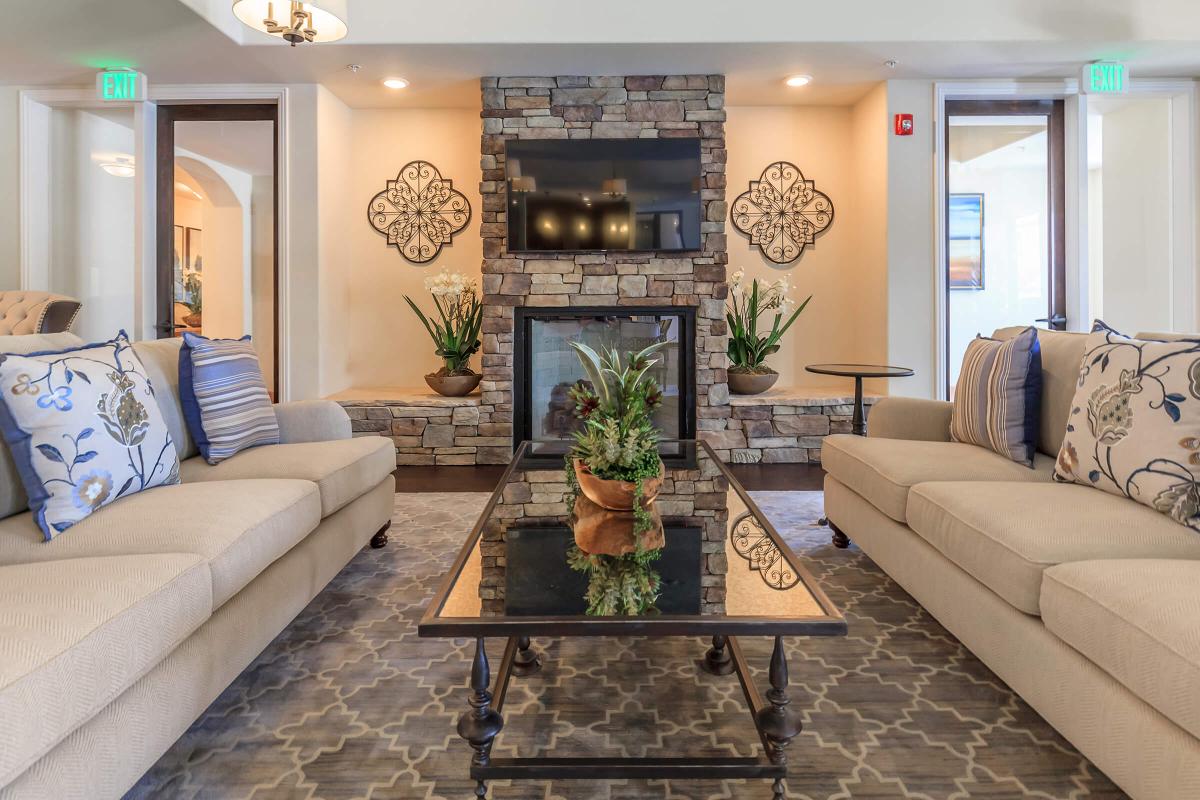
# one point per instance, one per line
(224, 397)
(84, 429)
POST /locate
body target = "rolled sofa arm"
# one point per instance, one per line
(910, 418)
(312, 421)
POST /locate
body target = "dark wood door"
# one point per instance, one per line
(167, 323)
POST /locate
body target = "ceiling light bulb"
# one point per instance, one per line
(396, 83)
(797, 81)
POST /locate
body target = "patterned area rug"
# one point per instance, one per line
(349, 703)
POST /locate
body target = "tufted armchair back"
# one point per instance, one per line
(36, 312)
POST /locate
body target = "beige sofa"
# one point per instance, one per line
(117, 634)
(36, 312)
(1086, 604)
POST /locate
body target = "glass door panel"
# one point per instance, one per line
(1001, 223)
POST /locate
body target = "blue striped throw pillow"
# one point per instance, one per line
(224, 396)
(997, 401)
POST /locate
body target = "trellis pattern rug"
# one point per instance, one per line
(348, 703)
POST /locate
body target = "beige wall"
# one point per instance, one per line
(373, 337)
(835, 148)
(1135, 258)
(870, 130)
(911, 267)
(10, 211)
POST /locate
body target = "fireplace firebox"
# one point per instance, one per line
(546, 367)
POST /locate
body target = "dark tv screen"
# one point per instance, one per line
(569, 195)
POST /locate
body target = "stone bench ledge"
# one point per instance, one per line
(401, 396)
(799, 396)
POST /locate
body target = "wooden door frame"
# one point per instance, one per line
(1052, 109)
(167, 116)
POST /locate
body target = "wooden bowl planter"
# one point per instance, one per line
(604, 519)
(751, 382)
(453, 385)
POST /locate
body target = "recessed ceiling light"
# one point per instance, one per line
(396, 83)
(799, 80)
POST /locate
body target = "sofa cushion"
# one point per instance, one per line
(1137, 620)
(883, 470)
(161, 359)
(1061, 353)
(344, 470)
(238, 527)
(74, 634)
(225, 400)
(1006, 534)
(13, 499)
(1134, 429)
(83, 429)
(997, 400)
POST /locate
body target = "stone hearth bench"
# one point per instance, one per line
(784, 425)
(427, 428)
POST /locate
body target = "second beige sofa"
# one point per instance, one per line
(1083, 602)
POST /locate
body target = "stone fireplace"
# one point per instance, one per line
(633, 286)
(546, 367)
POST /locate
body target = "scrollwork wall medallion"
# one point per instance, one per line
(782, 212)
(419, 212)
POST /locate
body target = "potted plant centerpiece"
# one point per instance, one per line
(615, 472)
(748, 349)
(455, 331)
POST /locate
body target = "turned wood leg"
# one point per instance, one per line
(480, 725)
(778, 723)
(717, 660)
(527, 661)
(840, 539)
(381, 537)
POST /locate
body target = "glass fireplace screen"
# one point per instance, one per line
(550, 367)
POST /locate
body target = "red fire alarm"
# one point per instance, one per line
(904, 125)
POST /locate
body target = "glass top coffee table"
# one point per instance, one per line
(725, 572)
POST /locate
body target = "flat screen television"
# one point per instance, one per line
(572, 195)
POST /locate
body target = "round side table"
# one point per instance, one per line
(858, 372)
(857, 426)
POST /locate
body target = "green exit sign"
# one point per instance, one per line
(1105, 77)
(121, 85)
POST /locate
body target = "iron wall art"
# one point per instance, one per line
(419, 212)
(782, 212)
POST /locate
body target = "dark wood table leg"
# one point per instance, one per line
(777, 723)
(840, 540)
(480, 725)
(858, 421)
(527, 661)
(717, 660)
(381, 537)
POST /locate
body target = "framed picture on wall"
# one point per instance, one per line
(966, 241)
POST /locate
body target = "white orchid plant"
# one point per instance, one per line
(455, 329)
(748, 349)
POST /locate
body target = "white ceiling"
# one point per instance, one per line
(443, 48)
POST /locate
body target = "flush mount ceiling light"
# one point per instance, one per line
(120, 167)
(796, 81)
(396, 83)
(323, 21)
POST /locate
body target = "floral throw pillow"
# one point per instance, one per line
(84, 430)
(1134, 427)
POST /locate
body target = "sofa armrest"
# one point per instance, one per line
(910, 418)
(312, 421)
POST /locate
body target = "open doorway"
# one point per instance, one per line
(1004, 220)
(217, 264)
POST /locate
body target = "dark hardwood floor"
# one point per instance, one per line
(755, 477)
